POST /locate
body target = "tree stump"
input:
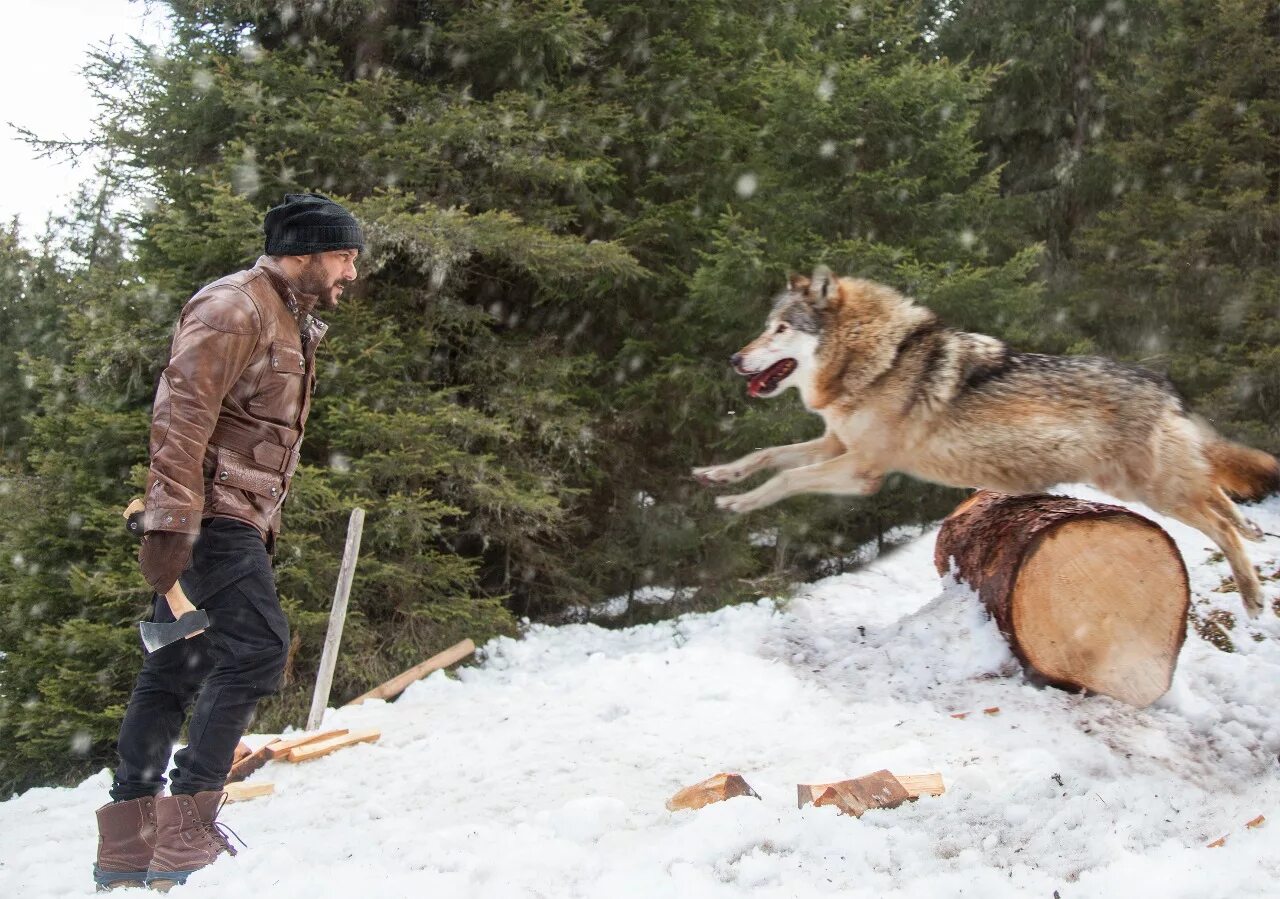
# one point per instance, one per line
(1089, 595)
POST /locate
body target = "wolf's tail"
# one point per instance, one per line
(1247, 474)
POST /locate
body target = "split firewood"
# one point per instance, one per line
(243, 792)
(1089, 595)
(713, 789)
(243, 751)
(282, 748)
(880, 789)
(250, 763)
(324, 747)
(918, 785)
(398, 684)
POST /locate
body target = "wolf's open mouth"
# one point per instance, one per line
(767, 381)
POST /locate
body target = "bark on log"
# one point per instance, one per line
(1089, 595)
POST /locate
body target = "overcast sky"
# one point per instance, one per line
(46, 44)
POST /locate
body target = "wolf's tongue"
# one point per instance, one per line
(767, 380)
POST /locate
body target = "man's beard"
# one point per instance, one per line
(313, 279)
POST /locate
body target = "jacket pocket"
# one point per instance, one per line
(278, 397)
(232, 471)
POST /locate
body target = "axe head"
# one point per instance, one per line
(158, 634)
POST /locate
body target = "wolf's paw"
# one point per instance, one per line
(741, 502)
(719, 474)
(1251, 531)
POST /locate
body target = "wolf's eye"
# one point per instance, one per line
(782, 326)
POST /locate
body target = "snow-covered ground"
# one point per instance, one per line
(542, 772)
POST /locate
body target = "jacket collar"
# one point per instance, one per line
(299, 303)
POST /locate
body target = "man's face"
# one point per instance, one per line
(326, 274)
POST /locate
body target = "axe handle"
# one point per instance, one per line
(179, 605)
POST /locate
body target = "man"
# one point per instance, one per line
(226, 429)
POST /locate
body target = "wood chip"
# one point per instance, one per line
(1220, 841)
(714, 789)
(994, 710)
(1256, 822)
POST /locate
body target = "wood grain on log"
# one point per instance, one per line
(1089, 595)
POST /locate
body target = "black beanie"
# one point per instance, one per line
(309, 223)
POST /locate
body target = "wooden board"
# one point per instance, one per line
(918, 785)
(252, 762)
(324, 747)
(398, 684)
(243, 792)
(871, 791)
(284, 747)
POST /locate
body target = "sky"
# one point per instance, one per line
(46, 46)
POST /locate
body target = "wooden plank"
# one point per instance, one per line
(284, 747)
(337, 618)
(918, 785)
(880, 789)
(324, 747)
(243, 792)
(252, 762)
(398, 684)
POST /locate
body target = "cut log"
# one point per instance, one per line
(879, 789)
(241, 792)
(1089, 595)
(324, 747)
(713, 789)
(398, 684)
(252, 762)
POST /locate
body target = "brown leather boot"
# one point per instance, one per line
(188, 837)
(126, 839)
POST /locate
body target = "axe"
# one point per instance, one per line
(188, 620)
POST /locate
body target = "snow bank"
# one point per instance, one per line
(543, 771)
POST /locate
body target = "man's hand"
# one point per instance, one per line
(164, 555)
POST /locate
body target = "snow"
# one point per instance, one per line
(542, 771)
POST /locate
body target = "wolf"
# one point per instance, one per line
(899, 391)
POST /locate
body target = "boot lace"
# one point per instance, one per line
(219, 831)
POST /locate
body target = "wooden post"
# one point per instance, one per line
(337, 618)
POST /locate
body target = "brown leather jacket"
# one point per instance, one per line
(230, 408)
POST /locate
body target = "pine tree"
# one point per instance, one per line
(1181, 272)
(575, 211)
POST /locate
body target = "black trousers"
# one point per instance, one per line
(218, 676)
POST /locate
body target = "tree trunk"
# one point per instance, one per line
(1088, 595)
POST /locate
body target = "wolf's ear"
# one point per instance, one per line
(822, 285)
(797, 283)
